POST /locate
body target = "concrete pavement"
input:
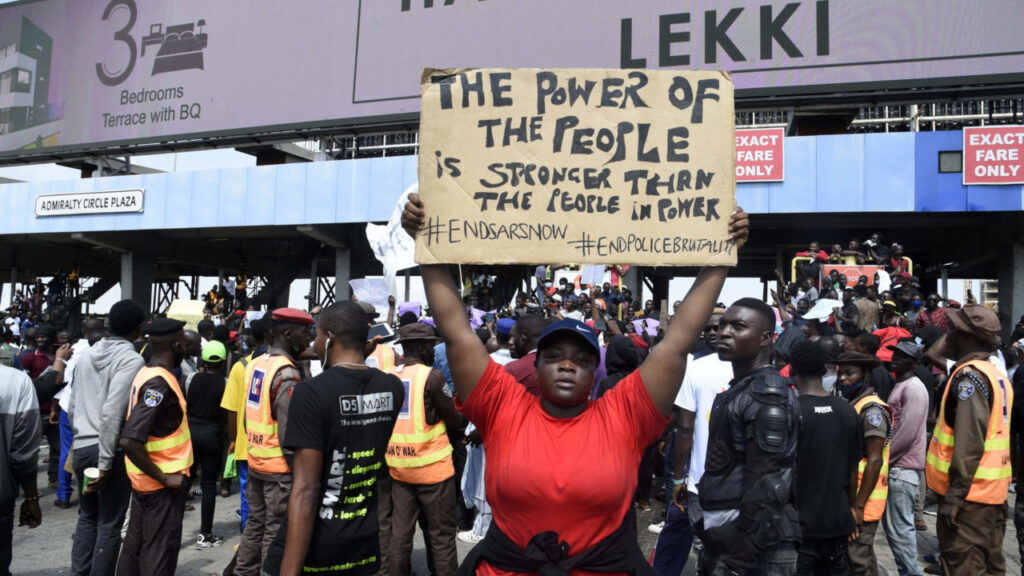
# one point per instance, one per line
(46, 550)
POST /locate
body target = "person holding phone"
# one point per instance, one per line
(547, 444)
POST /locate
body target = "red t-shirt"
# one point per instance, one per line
(821, 255)
(575, 476)
(888, 336)
(35, 363)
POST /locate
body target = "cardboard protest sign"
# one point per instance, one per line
(577, 166)
(188, 311)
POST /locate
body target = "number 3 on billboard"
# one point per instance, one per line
(122, 35)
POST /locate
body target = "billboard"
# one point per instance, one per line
(90, 74)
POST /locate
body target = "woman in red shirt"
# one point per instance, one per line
(564, 468)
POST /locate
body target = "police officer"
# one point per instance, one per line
(420, 456)
(750, 521)
(873, 469)
(968, 462)
(158, 454)
(270, 379)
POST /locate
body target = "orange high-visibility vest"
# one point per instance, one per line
(991, 480)
(418, 453)
(876, 500)
(172, 454)
(383, 358)
(262, 444)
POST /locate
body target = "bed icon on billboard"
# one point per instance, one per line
(181, 48)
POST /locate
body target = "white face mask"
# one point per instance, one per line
(327, 350)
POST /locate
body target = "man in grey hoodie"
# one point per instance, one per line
(99, 401)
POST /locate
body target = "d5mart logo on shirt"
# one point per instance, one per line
(367, 403)
(180, 45)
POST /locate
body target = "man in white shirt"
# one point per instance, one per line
(704, 379)
(503, 355)
(230, 286)
(571, 311)
(13, 323)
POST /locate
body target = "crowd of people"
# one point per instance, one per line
(32, 303)
(785, 435)
(873, 251)
(227, 297)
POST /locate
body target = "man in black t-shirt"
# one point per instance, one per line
(341, 424)
(1017, 446)
(829, 450)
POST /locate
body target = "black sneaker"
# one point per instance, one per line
(207, 541)
(62, 504)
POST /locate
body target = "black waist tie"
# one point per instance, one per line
(545, 553)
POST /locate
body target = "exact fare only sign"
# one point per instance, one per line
(760, 155)
(994, 155)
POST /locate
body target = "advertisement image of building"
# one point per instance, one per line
(25, 53)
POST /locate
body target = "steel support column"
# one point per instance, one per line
(137, 279)
(342, 274)
(1011, 287)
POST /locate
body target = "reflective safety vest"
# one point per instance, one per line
(172, 454)
(991, 480)
(383, 358)
(262, 444)
(876, 500)
(418, 453)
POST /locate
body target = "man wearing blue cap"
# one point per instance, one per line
(503, 335)
(572, 308)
